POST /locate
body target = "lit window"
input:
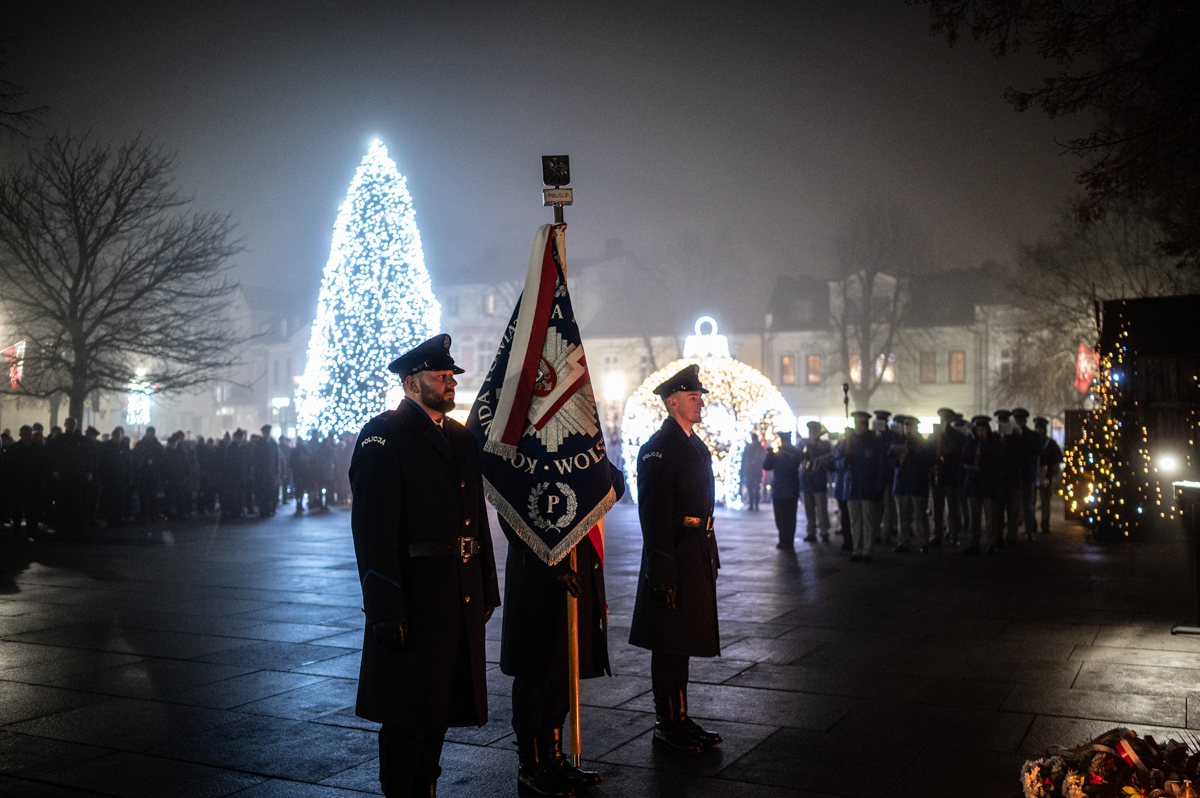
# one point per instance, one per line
(856, 369)
(885, 367)
(489, 304)
(787, 370)
(813, 371)
(958, 366)
(928, 367)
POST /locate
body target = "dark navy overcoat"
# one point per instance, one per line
(675, 480)
(413, 484)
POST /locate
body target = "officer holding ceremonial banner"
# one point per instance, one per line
(546, 471)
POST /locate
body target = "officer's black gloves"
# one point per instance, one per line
(392, 635)
(666, 594)
(569, 581)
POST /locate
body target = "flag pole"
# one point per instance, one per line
(573, 669)
(556, 172)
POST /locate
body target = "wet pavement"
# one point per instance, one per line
(209, 660)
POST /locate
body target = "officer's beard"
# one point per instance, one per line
(437, 398)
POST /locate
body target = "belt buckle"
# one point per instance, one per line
(466, 548)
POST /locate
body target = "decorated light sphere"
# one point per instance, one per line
(740, 401)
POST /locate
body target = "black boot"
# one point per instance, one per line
(669, 732)
(534, 778)
(705, 738)
(552, 755)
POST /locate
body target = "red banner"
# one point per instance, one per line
(1085, 368)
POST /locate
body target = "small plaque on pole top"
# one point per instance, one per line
(556, 172)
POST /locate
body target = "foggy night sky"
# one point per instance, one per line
(718, 144)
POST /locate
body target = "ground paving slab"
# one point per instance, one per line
(212, 659)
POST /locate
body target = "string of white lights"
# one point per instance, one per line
(376, 301)
(740, 401)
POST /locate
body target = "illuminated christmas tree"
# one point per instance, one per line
(376, 301)
(1109, 476)
(1095, 468)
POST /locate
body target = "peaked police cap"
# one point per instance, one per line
(686, 379)
(433, 355)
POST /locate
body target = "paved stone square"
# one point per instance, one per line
(207, 659)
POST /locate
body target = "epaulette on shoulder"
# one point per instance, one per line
(384, 420)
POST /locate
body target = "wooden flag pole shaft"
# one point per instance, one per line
(556, 172)
(573, 668)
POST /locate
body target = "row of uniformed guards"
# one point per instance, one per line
(429, 586)
(1003, 476)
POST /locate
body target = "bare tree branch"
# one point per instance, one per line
(1056, 283)
(106, 277)
(1131, 65)
(16, 115)
(878, 248)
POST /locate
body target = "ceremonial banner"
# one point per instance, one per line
(545, 468)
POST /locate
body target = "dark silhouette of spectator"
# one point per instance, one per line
(147, 469)
(115, 471)
(174, 476)
(752, 471)
(300, 463)
(22, 465)
(264, 466)
(207, 464)
(234, 470)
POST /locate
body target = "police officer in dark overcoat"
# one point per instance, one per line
(1010, 504)
(815, 460)
(1029, 446)
(533, 650)
(427, 570)
(1050, 458)
(784, 464)
(984, 461)
(947, 480)
(860, 459)
(675, 613)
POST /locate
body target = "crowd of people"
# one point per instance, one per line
(980, 484)
(72, 480)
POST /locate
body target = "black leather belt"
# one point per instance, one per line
(693, 522)
(463, 547)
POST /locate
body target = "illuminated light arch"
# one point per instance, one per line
(740, 401)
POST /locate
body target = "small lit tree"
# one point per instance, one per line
(376, 301)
